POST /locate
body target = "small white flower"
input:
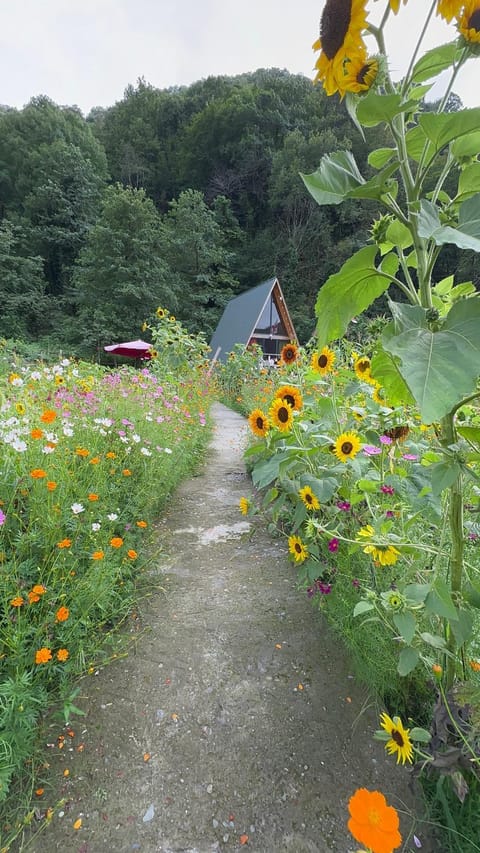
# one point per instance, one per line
(68, 431)
(136, 438)
(47, 449)
(17, 382)
(145, 451)
(112, 516)
(77, 508)
(167, 450)
(65, 362)
(18, 445)
(96, 526)
(75, 372)
(35, 375)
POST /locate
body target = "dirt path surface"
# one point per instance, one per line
(235, 723)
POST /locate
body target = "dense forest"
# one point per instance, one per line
(182, 197)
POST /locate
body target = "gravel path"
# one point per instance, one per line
(235, 722)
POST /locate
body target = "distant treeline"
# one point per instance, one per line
(181, 197)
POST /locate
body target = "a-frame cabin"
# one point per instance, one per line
(258, 316)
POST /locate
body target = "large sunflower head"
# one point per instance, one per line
(297, 549)
(258, 423)
(289, 354)
(449, 9)
(382, 555)
(322, 362)
(346, 446)
(469, 22)
(361, 366)
(359, 74)
(309, 498)
(341, 27)
(291, 395)
(399, 743)
(281, 415)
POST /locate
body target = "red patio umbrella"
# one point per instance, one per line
(132, 349)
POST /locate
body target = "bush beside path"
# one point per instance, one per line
(235, 722)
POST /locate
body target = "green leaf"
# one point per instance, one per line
(374, 109)
(323, 488)
(463, 628)
(380, 157)
(443, 128)
(439, 601)
(399, 235)
(471, 592)
(417, 143)
(368, 485)
(385, 370)
(267, 471)
(337, 174)
(444, 286)
(433, 640)
(434, 62)
(440, 368)
(466, 146)
(406, 624)
(417, 592)
(468, 182)
(443, 475)
(407, 661)
(466, 236)
(362, 607)
(351, 102)
(347, 293)
(471, 434)
(420, 735)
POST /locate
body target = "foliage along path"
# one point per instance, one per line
(235, 722)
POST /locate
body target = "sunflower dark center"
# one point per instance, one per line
(474, 21)
(363, 74)
(322, 360)
(347, 447)
(363, 366)
(259, 423)
(398, 738)
(290, 400)
(334, 25)
(289, 354)
(283, 414)
(308, 498)
(298, 548)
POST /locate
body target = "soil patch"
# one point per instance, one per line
(235, 723)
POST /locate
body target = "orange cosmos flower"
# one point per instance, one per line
(98, 555)
(65, 543)
(373, 822)
(126, 472)
(95, 460)
(116, 542)
(62, 614)
(38, 473)
(17, 601)
(43, 655)
(93, 497)
(111, 455)
(51, 485)
(36, 433)
(82, 451)
(142, 524)
(132, 554)
(475, 665)
(63, 655)
(39, 589)
(48, 416)
(33, 597)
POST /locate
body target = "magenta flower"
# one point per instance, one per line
(371, 450)
(343, 505)
(333, 545)
(387, 490)
(355, 583)
(324, 588)
(390, 514)
(410, 457)
(2, 517)
(385, 439)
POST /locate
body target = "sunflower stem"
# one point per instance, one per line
(406, 79)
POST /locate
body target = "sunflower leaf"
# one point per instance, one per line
(406, 625)
(443, 128)
(463, 627)
(443, 475)
(337, 174)
(362, 607)
(439, 601)
(380, 157)
(385, 370)
(374, 109)
(439, 367)
(434, 62)
(466, 236)
(407, 660)
(347, 293)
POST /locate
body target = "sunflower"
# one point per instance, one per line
(361, 366)
(322, 362)
(244, 505)
(346, 446)
(378, 395)
(309, 499)
(469, 21)
(160, 313)
(372, 822)
(297, 549)
(449, 9)
(291, 395)
(259, 423)
(359, 74)
(289, 354)
(341, 29)
(384, 555)
(399, 742)
(281, 415)
(153, 353)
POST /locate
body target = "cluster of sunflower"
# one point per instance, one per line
(344, 64)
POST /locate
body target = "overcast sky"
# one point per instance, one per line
(85, 52)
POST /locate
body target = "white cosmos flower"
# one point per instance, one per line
(68, 431)
(18, 445)
(145, 451)
(47, 449)
(96, 526)
(112, 516)
(167, 450)
(77, 508)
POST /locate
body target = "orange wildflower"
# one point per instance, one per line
(82, 451)
(132, 554)
(17, 601)
(116, 542)
(43, 655)
(92, 497)
(65, 543)
(373, 822)
(111, 455)
(95, 460)
(98, 555)
(48, 416)
(36, 433)
(475, 665)
(33, 597)
(142, 524)
(38, 473)
(39, 589)
(51, 485)
(62, 614)
(63, 655)
(126, 472)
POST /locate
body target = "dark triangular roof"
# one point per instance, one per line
(240, 318)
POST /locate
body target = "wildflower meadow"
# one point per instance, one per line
(90, 455)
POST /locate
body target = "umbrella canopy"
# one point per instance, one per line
(132, 349)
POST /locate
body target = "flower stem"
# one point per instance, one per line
(455, 515)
